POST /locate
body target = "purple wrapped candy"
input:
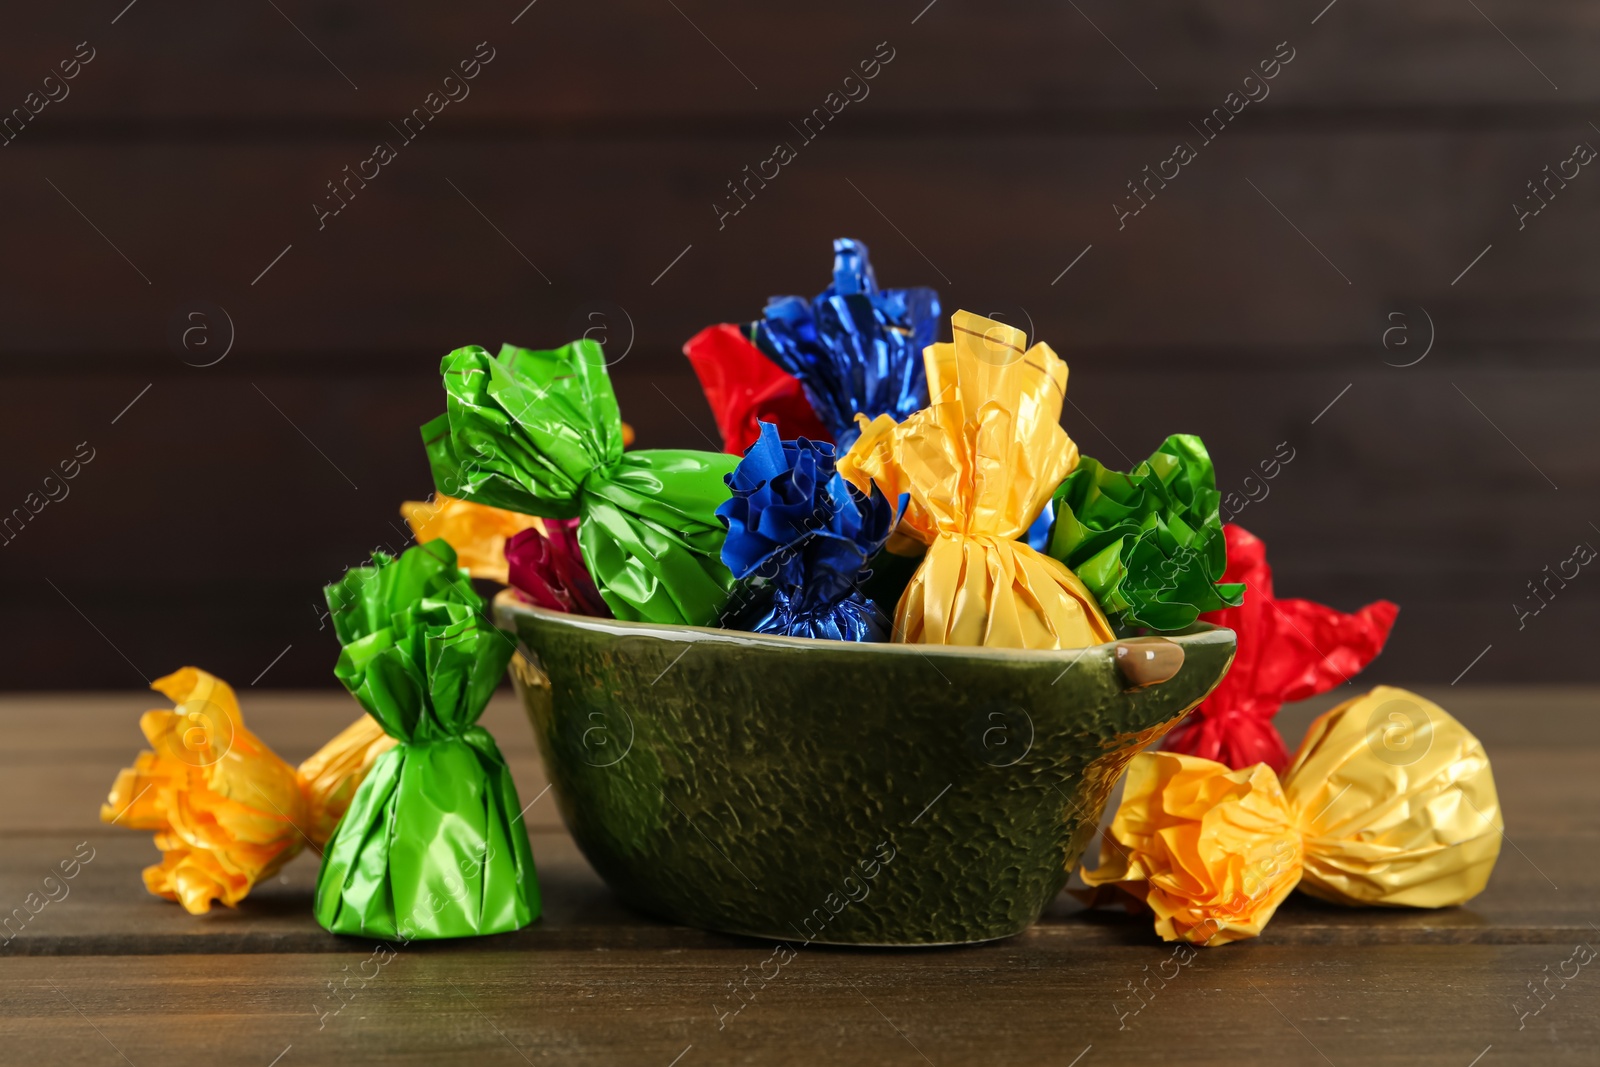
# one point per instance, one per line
(548, 569)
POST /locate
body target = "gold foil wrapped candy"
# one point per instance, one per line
(980, 463)
(226, 811)
(332, 773)
(1398, 804)
(477, 532)
(1390, 801)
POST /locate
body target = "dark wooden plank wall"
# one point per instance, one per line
(1250, 293)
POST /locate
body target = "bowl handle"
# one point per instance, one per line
(1146, 661)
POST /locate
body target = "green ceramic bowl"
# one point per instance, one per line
(829, 791)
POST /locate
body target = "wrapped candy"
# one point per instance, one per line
(546, 567)
(1390, 801)
(799, 536)
(477, 533)
(854, 350)
(1211, 852)
(432, 845)
(1149, 543)
(977, 466)
(1288, 650)
(538, 433)
(745, 389)
(226, 811)
(1038, 534)
(334, 772)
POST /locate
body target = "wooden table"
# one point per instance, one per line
(111, 975)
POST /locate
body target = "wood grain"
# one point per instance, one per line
(1543, 889)
(1542, 893)
(108, 972)
(56, 730)
(1039, 1001)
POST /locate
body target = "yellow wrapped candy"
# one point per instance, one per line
(1390, 801)
(332, 773)
(226, 811)
(477, 532)
(1213, 852)
(980, 463)
(1398, 804)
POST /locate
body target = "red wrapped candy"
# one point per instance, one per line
(546, 567)
(1288, 650)
(744, 388)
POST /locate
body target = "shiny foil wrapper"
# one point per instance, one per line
(1397, 804)
(1211, 852)
(539, 433)
(745, 389)
(1390, 801)
(226, 811)
(1148, 543)
(976, 468)
(335, 771)
(478, 533)
(1288, 650)
(856, 349)
(799, 538)
(432, 844)
(546, 567)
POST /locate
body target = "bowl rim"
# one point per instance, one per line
(511, 603)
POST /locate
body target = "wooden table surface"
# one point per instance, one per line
(110, 975)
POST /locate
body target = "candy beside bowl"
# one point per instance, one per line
(840, 792)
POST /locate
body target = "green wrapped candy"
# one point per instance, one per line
(1148, 543)
(433, 843)
(539, 433)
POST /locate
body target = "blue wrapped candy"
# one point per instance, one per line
(855, 348)
(1038, 535)
(799, 537)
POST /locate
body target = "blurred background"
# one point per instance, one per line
(222, 305)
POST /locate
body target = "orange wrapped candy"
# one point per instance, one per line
(332, 773)
(1390, 801)
(226, 811)
(477, 532)
(980, 463)
(1212, 852)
